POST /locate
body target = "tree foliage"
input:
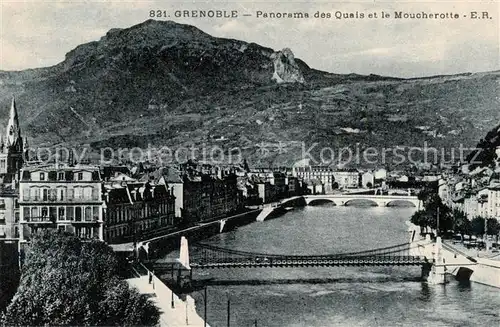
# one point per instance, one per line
(66, 281)
(493, 226)
(461, 223)
(434, 209)
(477, 226)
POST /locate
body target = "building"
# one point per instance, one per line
(9, 212)
(136, 211)
(348, 178)
(294, 186)
(267, 191)
(494, 201)
(367, 179)
(315, 186)
(11, 161)
(68, 198)
(11, 148)
(203, 192)
(323, 173)
(380, 174)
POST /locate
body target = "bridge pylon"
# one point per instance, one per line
(184, 253)
(437, 274)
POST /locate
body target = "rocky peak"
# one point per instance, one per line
(286, 69)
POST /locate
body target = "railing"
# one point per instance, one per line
(46, 219)
(59, 199)
(85, 221)
(206, 256)
(43, 219)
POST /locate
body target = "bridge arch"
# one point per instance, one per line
(313, 202)
(401, 203)
(364, 202)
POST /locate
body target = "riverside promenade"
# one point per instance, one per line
(175, 312)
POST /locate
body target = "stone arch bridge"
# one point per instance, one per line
(379, 200)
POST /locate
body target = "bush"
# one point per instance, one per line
(66, 281)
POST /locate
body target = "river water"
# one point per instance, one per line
(338, 296)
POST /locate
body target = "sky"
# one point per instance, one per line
(40, 33)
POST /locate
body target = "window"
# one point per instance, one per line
(35, 194)
(70, 213)
(2, 219)
(87, 192)
(61, 213)
(16, 203)
(60, 176)
(34, 212)
(42, 176)
(16, 216)
(45, 212)
(88, 213)
(61, 194)
(52, 194)
(61, 228)
(95, 195)
(53, 213)
(78, 193)
(80, 176)
(78, 213)
(2, 164)
(45, 193)
(95, 213)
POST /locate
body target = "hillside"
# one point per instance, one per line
(167, 84)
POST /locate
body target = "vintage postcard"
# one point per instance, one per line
(249, 163)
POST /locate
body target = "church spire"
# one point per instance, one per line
(13, 132)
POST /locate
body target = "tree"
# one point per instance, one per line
(477, 226)
(493, 226)
(460, 222)
(425, 194)
(66, 281)
(420, 218)
(437, 209)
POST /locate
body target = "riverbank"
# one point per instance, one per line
(466, 264)
(486, 271)
(331, 296)
(158, 246)
(175, 311)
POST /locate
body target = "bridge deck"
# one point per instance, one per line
(325, 262)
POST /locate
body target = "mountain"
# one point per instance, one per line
(485, 154)
(160, 83)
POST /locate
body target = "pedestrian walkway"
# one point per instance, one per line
(174, 311)
(473, 252)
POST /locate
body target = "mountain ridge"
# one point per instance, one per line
(160, 82)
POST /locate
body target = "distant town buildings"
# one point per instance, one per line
(347, 178)
(323, 174)
(120, 204)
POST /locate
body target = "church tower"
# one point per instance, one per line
(11, 148)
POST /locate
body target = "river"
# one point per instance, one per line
(339, 296)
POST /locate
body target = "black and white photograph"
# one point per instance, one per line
(244, 163)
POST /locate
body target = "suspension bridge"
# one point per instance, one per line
(205, 256)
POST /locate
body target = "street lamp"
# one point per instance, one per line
(204, 305)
